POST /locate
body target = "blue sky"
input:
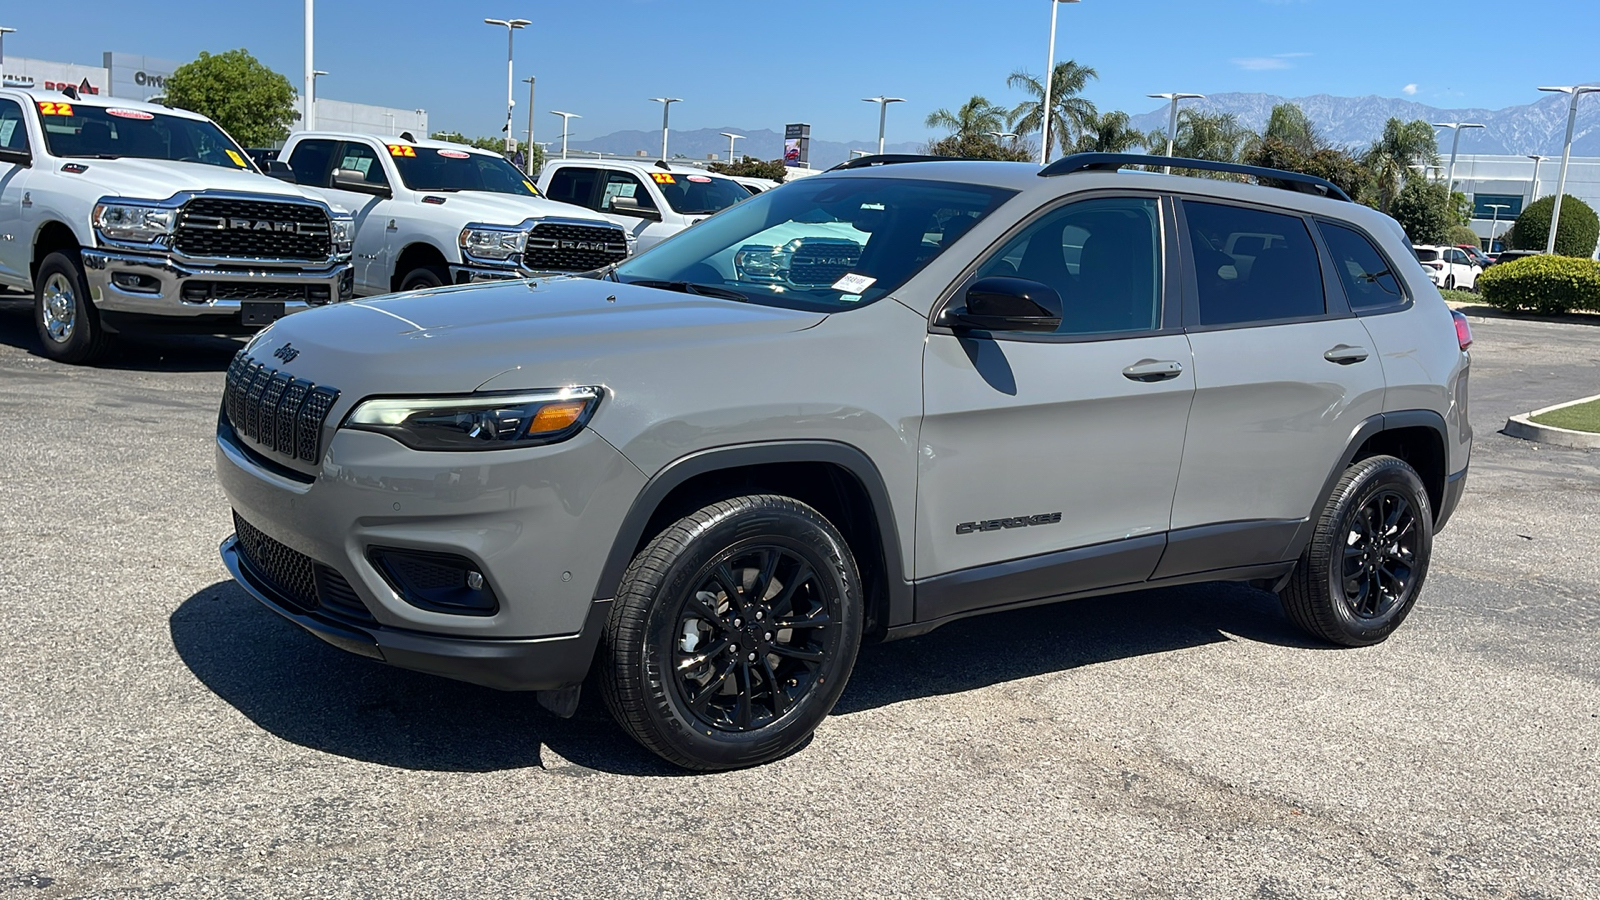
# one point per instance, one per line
(749, 64)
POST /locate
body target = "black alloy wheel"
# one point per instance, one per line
(1380, 555)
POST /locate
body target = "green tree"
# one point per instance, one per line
(975, 119)
(1215, 136)
(1069, 112)
(981, 147)
(1289, 124)
(250, 101)
(1461, 234)
(1576, 235)
(1328, 163)
(1392, 156)
(1109, 132)
(495, 144)
(1425, 210)
(750, 167)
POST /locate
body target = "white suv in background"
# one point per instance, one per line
(659, 199)
(429, 213)
(1448, 267)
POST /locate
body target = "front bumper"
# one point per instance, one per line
(537, 664)
(171, 289)
(479, 274)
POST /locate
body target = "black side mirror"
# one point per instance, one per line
(277, 168)
(629, 206)
(353, 180)
(22, 158)
(1001, 303)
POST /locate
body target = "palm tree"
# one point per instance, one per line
(1110, 132)
(1216, 136)
(977, 118)
(1290, 124)
(1392, 156)
(1069, 112)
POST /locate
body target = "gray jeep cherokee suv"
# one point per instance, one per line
(859, 406)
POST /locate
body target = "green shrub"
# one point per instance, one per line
(1425, 210)
(1461, 234)
(1577, 235)
(1543, 284)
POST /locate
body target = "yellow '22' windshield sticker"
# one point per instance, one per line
(401, 150)
(52, 108)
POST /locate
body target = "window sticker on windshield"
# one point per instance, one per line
(854, 283)
(129, 114)
(401, 150)
(6, 128)
(52, 108)
(699, 179)
(449, 154)
(529, 185)
(237, 159)
(849, 298)
(663, 178)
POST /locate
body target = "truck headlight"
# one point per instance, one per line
(126, 222)
(764, 263)
(492, 243)
(496, 421)
(341, 231)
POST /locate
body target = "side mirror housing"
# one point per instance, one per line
(1001, 303)
(353, 180)
(629, 206)
(277, 168)
(21, 158)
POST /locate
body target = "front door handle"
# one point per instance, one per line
(1149, 370)
(1345, 355)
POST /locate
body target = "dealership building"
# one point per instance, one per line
(1500, 186)
(134, 77)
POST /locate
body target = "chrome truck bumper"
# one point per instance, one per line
(128, 284)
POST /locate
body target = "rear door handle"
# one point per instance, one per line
(1148, 370)
(1345, 355)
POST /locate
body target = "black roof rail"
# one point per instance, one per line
(1111, 162)
(889, 159)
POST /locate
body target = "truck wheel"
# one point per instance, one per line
(425, 277)
(733, 633)
(68, 324)
(1361, 574)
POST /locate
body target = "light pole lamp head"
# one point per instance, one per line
(508, 23)
(1176, 95)
(666, 100)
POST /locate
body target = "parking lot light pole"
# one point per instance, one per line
(1537, 159)
(731, 138)
(666, 111)
(883, 114)
(1049, 83)
(1172, 118)
(309, 120)
(1496, 220)
(565, 118)
(527, 158)
(3, 32)
(1566, 154)
(511, 26)
(1455, 144)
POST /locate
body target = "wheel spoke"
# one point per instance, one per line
(780, 697)
(704, 612)
(701, 699)
(694, 661)
(763, 582)
(805, 654)
(743, 698)
(802, 574)
(730, 586)
(815, 620)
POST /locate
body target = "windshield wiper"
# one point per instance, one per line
(685, 287)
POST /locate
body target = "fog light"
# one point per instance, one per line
(439, 582)
(475, 580)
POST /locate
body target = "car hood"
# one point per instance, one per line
(546, 332)
(158, 179)
(509, 209)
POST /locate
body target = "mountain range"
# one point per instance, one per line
(1354, 122)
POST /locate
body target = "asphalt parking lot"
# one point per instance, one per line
(161, 734)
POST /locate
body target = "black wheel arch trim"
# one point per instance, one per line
(681, 470)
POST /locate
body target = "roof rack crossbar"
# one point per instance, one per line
(1111, 162)
(888, 159)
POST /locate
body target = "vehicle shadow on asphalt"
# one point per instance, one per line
(132, 353)
(309, 693)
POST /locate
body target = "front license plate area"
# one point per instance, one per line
(259, 313)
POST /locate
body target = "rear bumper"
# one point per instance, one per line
(170, 289)
(531, 664)
(1454, 487)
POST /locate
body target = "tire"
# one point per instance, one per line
(1350, 587)
(423, 277)
(1449, 282)
(67, 322)
(674, 607)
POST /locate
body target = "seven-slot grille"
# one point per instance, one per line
(295, 577)
(823, 261)
(279, 412)
(227, 228)
(556, 247)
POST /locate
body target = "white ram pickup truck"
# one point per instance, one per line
(429, 213)
(660, 199)
(122, 217)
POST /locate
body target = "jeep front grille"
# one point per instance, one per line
(280, 413)
(228, 228)
(295, 577)
(555, 247)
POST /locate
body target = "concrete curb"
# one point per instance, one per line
(1524, 427)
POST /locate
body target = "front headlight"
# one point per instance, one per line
(479, 422)
(492, 243)
(756, 262)
(341, 231)
(124, 222)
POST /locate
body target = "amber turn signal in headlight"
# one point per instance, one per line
(480, 421)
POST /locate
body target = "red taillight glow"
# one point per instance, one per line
(1463, 330)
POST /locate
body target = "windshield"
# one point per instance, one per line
(98, 132)
(445, 169)
(699, 195)
(822, 244)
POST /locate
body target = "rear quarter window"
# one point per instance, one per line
(1271, 272)
(1369, 281)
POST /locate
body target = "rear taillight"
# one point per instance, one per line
(1463, 330)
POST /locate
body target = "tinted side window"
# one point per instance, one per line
(1271, 273)
(310, 162)
(573, 184)
(363, 159)
(1368, 281)
(13, 131)
(1102, 256)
